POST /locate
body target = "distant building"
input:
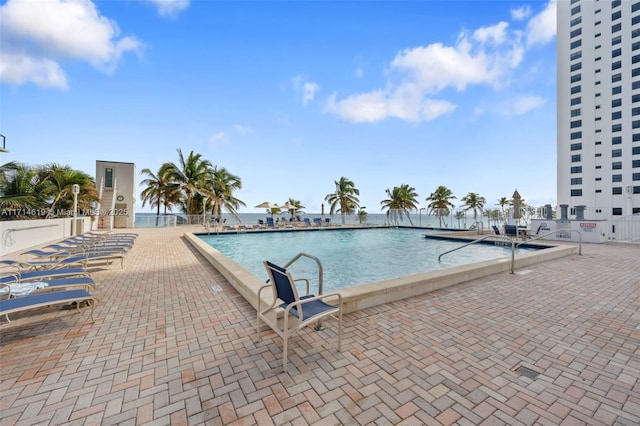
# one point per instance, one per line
(116, 184)
(598, 108)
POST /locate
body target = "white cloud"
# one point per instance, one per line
(243, 130)
(37, 39)
(216, 139)
(486, 56)
(309, 90)
(170, 7)
(541, 29)
(521, 13)
(359, 72)
(524, 104)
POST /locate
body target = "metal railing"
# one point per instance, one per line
(514, 245)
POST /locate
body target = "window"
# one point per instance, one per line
(616, 77)
(635, 111)
(598, 191)
(616, 140)
(635, 59)
(636, 137)
(616, 103)
(616, 52)
(576, 169)
(616, 178)
(576, 135)
(108, 177)
(635, 72)
(635, 98)
(616, 127)
(576, 101)
(575, 112)
(615, 3)
(635, 124)
(614, 66)
(635, 7)
(576, 146)
(616, 90)
(635, 46)
(577, 32)
(598, 119)
(635, 33)
(576, 55)
(598, 167)
(616, 115)
(576, 78)
(616, 40)
(617, 27)
(576, 123)
(616, 165)
(616, 153)
(576, 21)
(598, 154)
(635, 20)
(575, 158)
(616, 15)
(576, 43)
(576, 66)
(576, 192)
(576, 89)
(635, 164)
(575, 10)
(635, 176)
(598, 179)
(635, 85)
(576, 181)
(598, 142)
(635, 150)
(616, 190)
(617, 211)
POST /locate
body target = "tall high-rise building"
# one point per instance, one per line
(598, 101)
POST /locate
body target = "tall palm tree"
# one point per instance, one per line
(440, 202)
(219, 190)
(296, 206)
(159, 189)
(502, 201)
(402, 199)
(191, 174)
(473, 201)
(345, 199)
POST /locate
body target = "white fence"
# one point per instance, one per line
(626, 229)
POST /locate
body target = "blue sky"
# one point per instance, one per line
(290, 95)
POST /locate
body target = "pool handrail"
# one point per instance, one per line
(537, 237)
(486, 237)
(312, 257)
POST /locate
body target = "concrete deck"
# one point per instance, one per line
(173, 343)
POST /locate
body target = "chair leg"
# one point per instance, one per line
(284, 354)
(340, 331)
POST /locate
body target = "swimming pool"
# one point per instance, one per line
(351, 257)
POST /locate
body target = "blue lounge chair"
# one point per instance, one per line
(307, 221)
(84, 283)
(270, 222)
(317, 221)
(43, 275)
(304, 310)
(39, 300)
(495, 229)
(511, 230)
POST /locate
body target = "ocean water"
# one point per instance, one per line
(350, 257)
(144, 220)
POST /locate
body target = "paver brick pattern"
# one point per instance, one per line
(174, 343)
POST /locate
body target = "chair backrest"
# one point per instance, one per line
(495, 229)
(510, 230)
(307, 221)
(317, 220)
(281, 283)
(270, 221)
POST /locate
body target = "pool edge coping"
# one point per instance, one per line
(369, 295)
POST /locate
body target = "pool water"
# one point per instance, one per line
(351, 257)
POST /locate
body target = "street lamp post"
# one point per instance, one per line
(75, 189)
(420, 216)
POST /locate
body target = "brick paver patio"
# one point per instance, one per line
(173, 343)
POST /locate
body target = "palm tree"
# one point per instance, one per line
(296, 206)
(159, 190)
(440, 202)
(502, 201)
(18, 191)
(401, 200)
(473, 201)
(191, 174)
(344, 200)
(55, 183)
(219, 191)
(459, 215)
